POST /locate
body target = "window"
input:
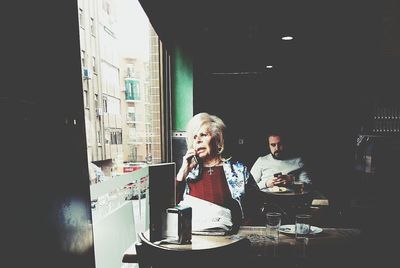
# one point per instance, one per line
(107, 7)
(83, 58)
(125, 64)
(113, 105)
(131, 116)
(81, 18)
(132, 89)
(98, 137)
(120, 114)
(86, 98)
(92, 27)
(105, 109)
(94, 64)
(116, 136)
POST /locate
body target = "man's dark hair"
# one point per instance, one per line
(288, 139)
(277, 132)
(285, 139)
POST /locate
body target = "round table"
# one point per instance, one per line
(289, 192)
(288, 203)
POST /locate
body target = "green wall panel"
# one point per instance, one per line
(182, 89)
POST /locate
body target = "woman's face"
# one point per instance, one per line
(203, 143)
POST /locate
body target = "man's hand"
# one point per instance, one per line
(286, 179)
(274, 181)
(279, 180)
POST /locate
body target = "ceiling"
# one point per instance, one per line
(245, 35)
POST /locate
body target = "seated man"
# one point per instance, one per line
(278, 168)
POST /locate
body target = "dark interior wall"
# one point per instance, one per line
(322, 110)
(317, 115)
(322, 97)
(323, 91)
(46, 215)
(323, 88)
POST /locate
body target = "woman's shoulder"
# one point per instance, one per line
(235, 164)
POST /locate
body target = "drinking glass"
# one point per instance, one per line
(302, 230)
(298, 187)
(272, 225)
(303, 226)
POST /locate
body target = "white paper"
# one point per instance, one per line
(207, 216)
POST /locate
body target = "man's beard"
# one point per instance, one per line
(278, 156)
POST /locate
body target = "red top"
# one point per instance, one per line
(212, 187)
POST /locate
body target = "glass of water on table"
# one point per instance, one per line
(272, 225)
(302, 231)
(272, 229)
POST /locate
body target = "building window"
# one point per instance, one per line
(107, 7)
(81, 18)
(98, 136)
(116, 136)
(94, 64)
(92, 27)
(86, 98)
(132, 89)
(131, 114)
(96, 100)
(83, 58)
(105, 106)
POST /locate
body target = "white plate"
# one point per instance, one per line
(290, 229)
(281, 190)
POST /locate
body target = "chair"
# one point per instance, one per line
(149, 254)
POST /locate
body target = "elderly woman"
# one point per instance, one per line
(207, 174)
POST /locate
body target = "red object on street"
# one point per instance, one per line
(130, 168)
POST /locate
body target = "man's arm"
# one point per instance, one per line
(302, 176)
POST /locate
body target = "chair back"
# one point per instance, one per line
(235, 254)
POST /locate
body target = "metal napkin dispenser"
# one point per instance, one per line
(177, 227)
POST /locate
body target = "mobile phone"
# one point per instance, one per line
(196, 159)
(277, 174)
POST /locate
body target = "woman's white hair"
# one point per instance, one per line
(214, 125)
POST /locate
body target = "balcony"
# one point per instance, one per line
(132, 90)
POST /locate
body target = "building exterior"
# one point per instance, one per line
(121, 92)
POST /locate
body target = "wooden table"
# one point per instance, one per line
(291, 203)
(319, 246)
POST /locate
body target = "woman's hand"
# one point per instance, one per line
(188, 164)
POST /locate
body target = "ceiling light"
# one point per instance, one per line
(287, 38)
(269, 67)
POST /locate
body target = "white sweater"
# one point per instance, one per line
(266, 166)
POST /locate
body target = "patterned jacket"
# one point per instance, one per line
(237, 176)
